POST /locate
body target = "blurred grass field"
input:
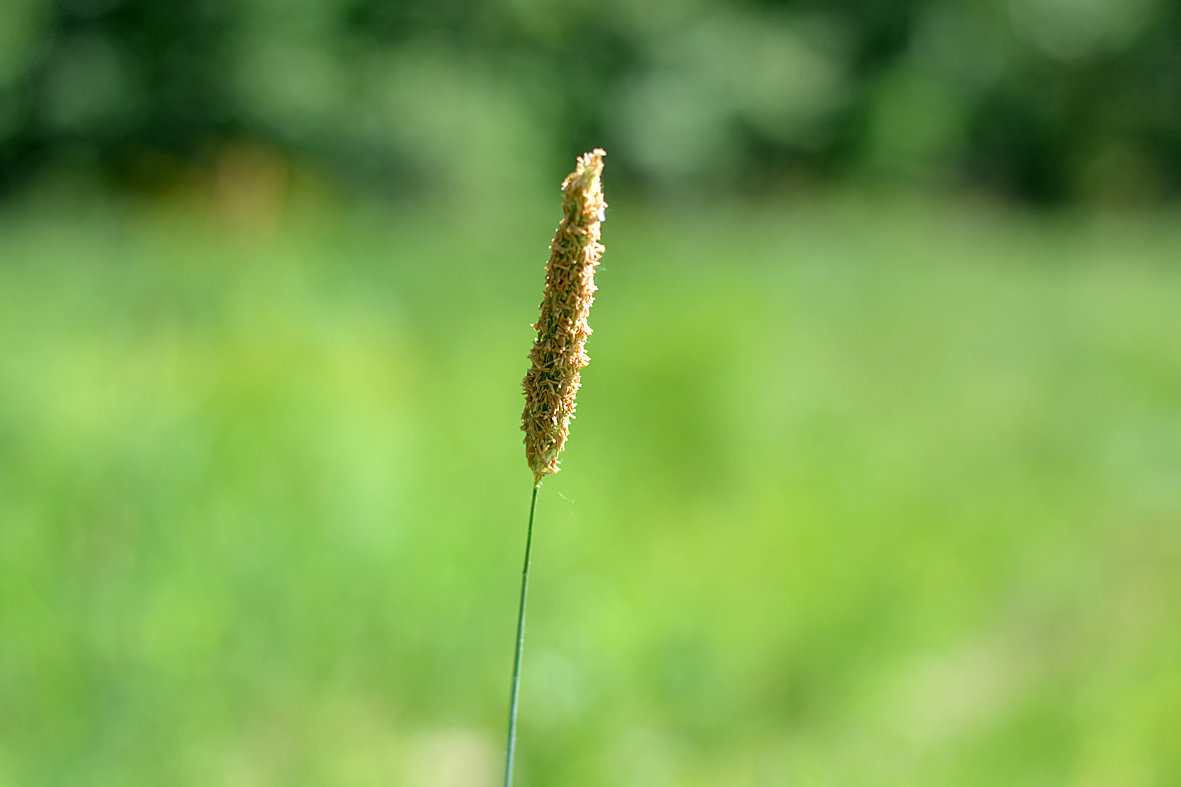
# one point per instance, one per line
(861, 492)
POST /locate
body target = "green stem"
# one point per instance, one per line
(512, 710)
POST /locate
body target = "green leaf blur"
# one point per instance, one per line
(860, 492)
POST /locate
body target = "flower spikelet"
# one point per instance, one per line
(559, 351)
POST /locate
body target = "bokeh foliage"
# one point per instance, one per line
(863, 490)
(1048, 100)
(861, 493)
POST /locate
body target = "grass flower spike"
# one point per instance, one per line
(559, 351)
(558, 354)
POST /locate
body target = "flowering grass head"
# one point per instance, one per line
(559, 351)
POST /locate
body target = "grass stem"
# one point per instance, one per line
(516, 689)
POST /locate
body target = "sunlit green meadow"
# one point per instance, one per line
(860, 492)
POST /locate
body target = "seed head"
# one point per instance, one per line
(559, 351)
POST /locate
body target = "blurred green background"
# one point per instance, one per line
(876, 478)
